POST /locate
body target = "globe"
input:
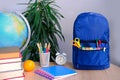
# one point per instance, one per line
(14, 30)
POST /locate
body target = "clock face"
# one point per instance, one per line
(61, 59)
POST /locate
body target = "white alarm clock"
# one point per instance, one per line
(61, 58)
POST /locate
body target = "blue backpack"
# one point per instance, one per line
(91, 42)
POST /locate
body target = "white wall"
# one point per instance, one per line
(109, 8)
(12, 5)
(70, 9)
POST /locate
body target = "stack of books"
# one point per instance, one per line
(55, 72)
(11, 64)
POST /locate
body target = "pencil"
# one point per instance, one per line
(41, 48)
(38, 47)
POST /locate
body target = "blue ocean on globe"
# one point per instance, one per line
(14, 30)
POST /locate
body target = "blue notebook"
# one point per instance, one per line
(58, 71)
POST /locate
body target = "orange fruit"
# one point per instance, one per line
(28, 65)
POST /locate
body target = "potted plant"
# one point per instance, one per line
(43, 18)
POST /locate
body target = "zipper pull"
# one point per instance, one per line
(104, 49)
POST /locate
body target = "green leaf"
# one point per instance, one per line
(43, 18)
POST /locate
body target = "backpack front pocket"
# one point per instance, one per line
(92, 58)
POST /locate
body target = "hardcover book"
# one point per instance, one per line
(9, 52)
(10, 66)
(9, 60)
(11, 74)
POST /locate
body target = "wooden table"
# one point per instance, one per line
(112, 73)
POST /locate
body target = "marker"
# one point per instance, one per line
(99, 42)
(45, 47)
(48, 48)
(91, 48)
(83, 48)
(98, 48)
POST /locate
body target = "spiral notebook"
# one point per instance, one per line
(55, 72)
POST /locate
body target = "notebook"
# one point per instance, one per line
(53, 72)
